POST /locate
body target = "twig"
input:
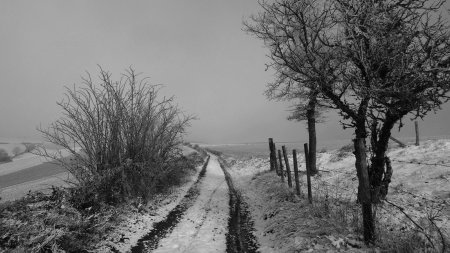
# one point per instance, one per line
(402, 209)
(444, 244)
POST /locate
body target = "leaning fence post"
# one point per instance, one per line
(297, 181)
(288, 169)
(308, 174)
(281, 166)
(272, 160)
(399, 142)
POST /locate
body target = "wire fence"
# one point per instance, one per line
(353, 175)
(421, 211)
(422, 163)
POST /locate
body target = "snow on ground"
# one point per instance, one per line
(204, 225)
(9, 147)
(43, 184)
(282, 221)
(137, 224)
(21, 162)
(187, 151)
(27, 160)
(285, 222)
(432, 177)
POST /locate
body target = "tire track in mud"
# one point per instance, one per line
(239, 238)
(205, 215)
(160, 229)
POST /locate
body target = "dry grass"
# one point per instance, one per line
(343, 152)
(290, 223)
(50, 223)
(71, 220)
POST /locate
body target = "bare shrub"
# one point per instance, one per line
(4, 157)
(48, 223)
(336, 201)
(122, 138)
(16, 151)
(29, 146)
(199, 149)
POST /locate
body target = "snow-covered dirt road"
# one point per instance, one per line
(204, 225)
(210, 217)
(199, 223)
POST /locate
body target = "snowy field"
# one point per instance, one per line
(45, 182)
(285, 222)
(417, 213)
(26, 161)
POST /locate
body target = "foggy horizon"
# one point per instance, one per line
(196, 49)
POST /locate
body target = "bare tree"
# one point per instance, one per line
(309, 109)
(375, 62)
(279, 26)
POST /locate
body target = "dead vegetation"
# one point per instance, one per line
(69, 221)
(51, 223)
(406, 221)
(121, 136)
(123, 142)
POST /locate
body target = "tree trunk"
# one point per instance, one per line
(364, 194)
(380, 171)
(311, 117)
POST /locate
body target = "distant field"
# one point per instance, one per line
(30, 174)
(27, 171)
(9, 147)
(262, 149)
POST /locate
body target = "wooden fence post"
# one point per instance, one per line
(281, 166)
(308, 174)
(416, 126)
(297, 181)
(399, 142)
(275, 161)
(288, 169)
(272, 160)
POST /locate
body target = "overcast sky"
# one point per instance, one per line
(196, 48)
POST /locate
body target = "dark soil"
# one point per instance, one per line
(151, 240)
(240, 236)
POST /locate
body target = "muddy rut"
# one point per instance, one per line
(211, 217)
(150, 241)
(240, 238)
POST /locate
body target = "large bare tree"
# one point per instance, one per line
(374, 61)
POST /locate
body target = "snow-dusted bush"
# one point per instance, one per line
(4, 157)
(122, 137)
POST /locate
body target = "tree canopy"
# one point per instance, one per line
(373, 61)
